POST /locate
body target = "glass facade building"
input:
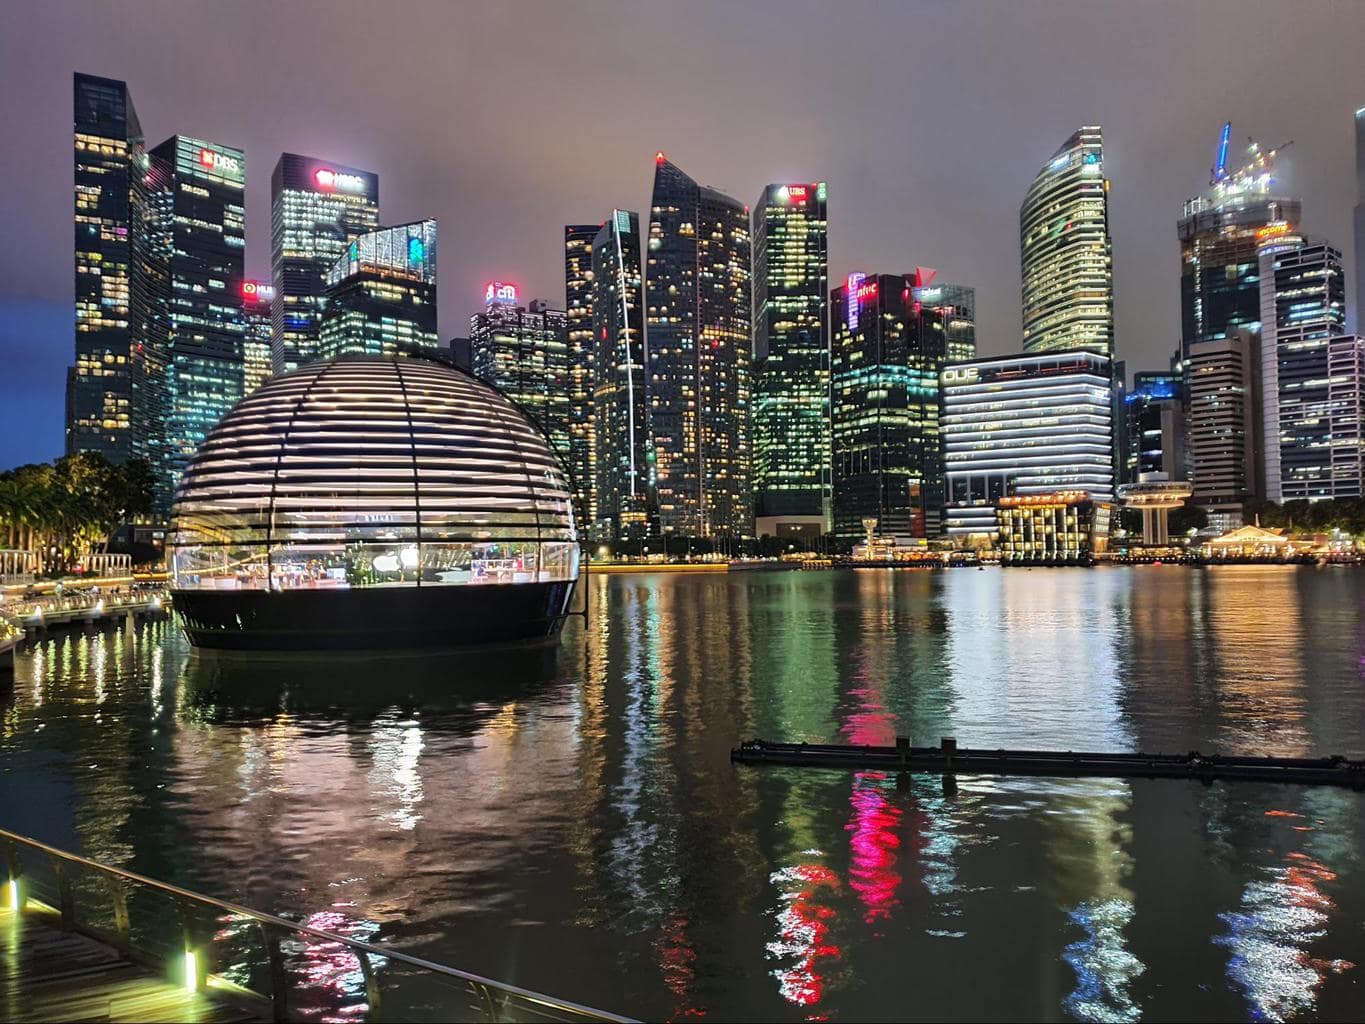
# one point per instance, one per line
(524, 354)
(1310, 423)
(956, 305)
(699, 347)
(791, 402)
(373, 502)
(1025, 425)
(317, 208)
(624, 481)
(578, 289)
(1067, 257)
(102, 413)
(1360, 222)
(1154, 427)
(888, 352)
(195, 224)
(1220, 238)
(257, 301)
(381, 295)
(1063, 528)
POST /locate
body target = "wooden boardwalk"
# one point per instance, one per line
(47, 974)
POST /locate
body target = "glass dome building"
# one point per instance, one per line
(373, 502)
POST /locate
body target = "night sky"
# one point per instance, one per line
(508, 120)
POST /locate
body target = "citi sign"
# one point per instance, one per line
(216, 161)
(334, 181)
(961, 375)
(499, 292)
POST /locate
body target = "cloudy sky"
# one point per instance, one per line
(507, 120)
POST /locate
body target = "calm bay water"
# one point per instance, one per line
(571, 822)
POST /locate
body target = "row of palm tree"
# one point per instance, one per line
(64, 510)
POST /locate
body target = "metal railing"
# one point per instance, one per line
(265, 957)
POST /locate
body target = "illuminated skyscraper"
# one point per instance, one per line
(381, 294)
(523, 353)
(1025, 426)
(257, 299)
(791, 414)
(1225, 425)
(578, 286)
(1220, 235)
(1154, 427)
(196, 194)
(1310, 411)
(1360, 222)
(956, 304)
(623, 484)
(888, 352)
(1066, 252)
(100, 414)
(698, 319)
(316, 209)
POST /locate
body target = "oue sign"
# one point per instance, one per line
(961, 375)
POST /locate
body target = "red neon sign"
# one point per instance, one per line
(331, 180)
(497, 291)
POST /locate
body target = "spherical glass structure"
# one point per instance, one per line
(364, 501)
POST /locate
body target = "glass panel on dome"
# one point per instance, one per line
(312, 566)
(219, 567)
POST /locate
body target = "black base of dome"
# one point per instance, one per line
(377, 618)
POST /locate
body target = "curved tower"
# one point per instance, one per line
(1065, 251)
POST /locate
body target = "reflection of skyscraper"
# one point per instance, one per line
(521, 352)
(698, 357)
(1066, 254)
(578, 289)
(623, 484)
(100, 414)
(381, 294)
(791, 352)
(316, 208)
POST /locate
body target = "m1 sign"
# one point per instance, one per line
(499, 292)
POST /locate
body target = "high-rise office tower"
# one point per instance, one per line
(381, 294)
(1025, 426)
(197, 216)
(1154, 427)
(956, 304)
(887, 354)
(1066, 254)
(578, 286)
(623, 487)
(101, 410)
(1360, 222)
(1220, 235)
(1224, 381)
(316, 209)
(698, 321)
(257, 301)
(791, 416)
(523, 353)
(1308, 422)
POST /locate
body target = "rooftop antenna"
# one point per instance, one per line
(1220, 169)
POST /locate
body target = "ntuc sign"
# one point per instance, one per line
(961, 375)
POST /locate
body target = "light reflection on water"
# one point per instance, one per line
(570, 822)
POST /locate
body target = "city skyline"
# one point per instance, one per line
(952, 206)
